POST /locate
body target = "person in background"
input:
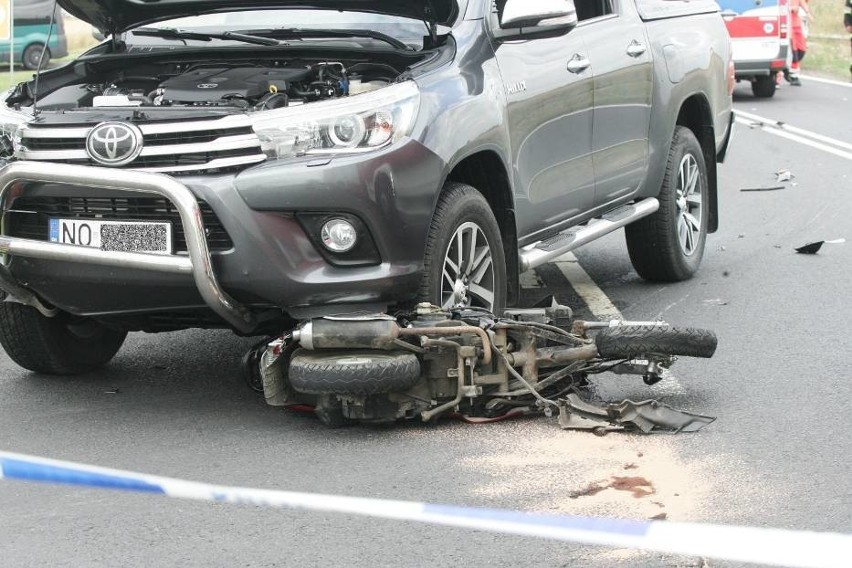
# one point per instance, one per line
(798, 41)
(847, 21)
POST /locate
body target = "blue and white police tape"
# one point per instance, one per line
(744, 544)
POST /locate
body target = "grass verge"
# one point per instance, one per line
(829, 53)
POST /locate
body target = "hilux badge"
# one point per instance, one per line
(114, 143)
(516, 87)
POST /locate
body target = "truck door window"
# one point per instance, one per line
(590, 9)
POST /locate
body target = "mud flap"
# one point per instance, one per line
(648, 417)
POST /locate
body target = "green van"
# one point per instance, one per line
(32, 23)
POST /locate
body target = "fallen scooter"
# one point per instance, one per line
(379, 368)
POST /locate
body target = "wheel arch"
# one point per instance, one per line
(695, 114)
(486, 171)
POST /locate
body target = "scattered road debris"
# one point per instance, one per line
(813, 248)
(810, 248)
(771, 188)
(646, 417)
(783, 175)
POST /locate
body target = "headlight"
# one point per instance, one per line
(10, 123)
(360, 123)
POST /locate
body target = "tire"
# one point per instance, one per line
(63, 345)
(763, 87)
(632, 341)
(355, 372)
(32, 54)
(668, 246)
(463, 210)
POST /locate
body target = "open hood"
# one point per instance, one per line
(116, 16)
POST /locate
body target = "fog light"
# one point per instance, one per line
(338, 235)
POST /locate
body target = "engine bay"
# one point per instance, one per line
(221, 84)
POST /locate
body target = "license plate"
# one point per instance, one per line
(123, 236)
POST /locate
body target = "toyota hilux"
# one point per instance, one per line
(252, 164)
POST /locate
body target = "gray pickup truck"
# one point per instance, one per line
(256, 163)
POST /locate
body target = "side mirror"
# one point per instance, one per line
(526, 13)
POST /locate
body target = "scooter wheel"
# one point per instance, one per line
(353, 372)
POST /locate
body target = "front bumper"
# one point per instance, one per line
(198, 263)
(273, 266)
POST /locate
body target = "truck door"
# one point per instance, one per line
(548, 87)
(623, 87)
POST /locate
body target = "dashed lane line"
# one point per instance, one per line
(530, 280)
(597, 301)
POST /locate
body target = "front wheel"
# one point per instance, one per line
(63, 345)
(668, 245)
(628, 342)
(465, 265)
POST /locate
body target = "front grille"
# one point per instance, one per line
(201, 146)
(171, 138)
(29, 217)
(171, 162)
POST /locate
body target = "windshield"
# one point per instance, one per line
(407, 30)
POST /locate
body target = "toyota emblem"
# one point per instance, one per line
(114, 143)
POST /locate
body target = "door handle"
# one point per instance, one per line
(578, 64)
(635, 49)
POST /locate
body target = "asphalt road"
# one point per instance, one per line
(777, 456)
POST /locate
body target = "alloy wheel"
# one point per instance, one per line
(690, 205)
(468, 270)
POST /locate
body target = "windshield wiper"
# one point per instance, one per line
(174, 33)
(297, 33)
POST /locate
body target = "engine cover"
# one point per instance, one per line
(210, 85)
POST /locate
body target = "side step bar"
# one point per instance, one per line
(549, 249)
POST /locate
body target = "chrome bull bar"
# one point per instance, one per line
(199, 262)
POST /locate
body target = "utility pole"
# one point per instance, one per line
(11, 19)
(7, 30)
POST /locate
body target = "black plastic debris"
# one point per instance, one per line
(813, 248)
(810, 248)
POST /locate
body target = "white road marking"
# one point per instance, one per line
(598, 302)
(796, 130)
(827, 81)
(530, 280)
(800, 135)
